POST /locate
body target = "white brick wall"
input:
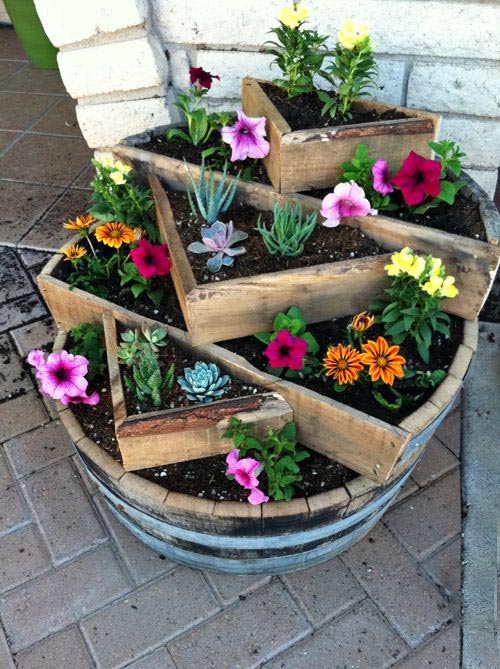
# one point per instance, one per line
(442, 55)
(4, 17)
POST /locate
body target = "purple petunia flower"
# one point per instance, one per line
(382, 177)
(247, 137)
(347, 199)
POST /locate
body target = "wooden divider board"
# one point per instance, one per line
(186, 433)
(306, 159)
(239, 307)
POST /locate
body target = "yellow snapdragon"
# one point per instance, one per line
(293, 15)
(448, 289)
(118, 177)
(417, 267)
(116, 165)
(351, 33)
(401, 262)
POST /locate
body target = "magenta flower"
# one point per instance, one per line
(204, 79)
(246, 137)
(382, 177)
(257, 497)
(91, 399)
(36, 357)
(151, 260)
(347, 199)
(64, 375)
(286, 351)
(417, 178)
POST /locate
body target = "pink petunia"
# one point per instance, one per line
(382, 177)
(64, 375)
(91, 399)
(286, 351)
(347, 199)
(257, 497)
(36, 357)
(151, 260)
(246, 137)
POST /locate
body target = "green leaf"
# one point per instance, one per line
(426, 333)
(176, 132)
(312, 344)
(288, 463)
(264, 337)
(289, 431)
(156, 296)
(423, 351)
(444, 329)
(137, 289)
(447, 192)
(397, 328)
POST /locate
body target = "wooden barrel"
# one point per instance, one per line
(237, 537)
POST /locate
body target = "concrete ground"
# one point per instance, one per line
(77, 590)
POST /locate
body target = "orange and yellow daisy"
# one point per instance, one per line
(79, 223)
(74, 252)
(343, 363)
(114, 234)
(362, 321)
(383, 361)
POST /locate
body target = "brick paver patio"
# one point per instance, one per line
(78, 591)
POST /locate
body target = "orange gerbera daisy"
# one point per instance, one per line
(74, 252)
(114, 234)
(362, 321)
(383, 361)
(79, 223)
(343, 363)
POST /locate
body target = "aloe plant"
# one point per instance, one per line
(219, 240)
(211, 201)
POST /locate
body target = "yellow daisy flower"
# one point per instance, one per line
(74, 252)
(79, 223)
(114, 234)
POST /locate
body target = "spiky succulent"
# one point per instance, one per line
(218, 239)
(289, 230)
(147, 379)
(204, 383)
(211, 201)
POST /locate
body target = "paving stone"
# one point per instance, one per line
(436, 461)
(230, 587)
(20, 311)
(22, 205)
(34, 80)
(84, 179)
(22, 557)
(60, 651)
(18, 111)
(21, 414)
(60, 120)
(149, 617)
(59, 598)
(7, 137)
(14, 281)
(8, 67)
(325, 591)
(35, 335)
(13, 511)
(158, 660)
(10, 46)
(428, 519)
(14, 379)
(450, 432)
(359, 639)
(27, 159)
(408, 489)
(411, 603)
(49, 233)
(43, 446)
(246, 635)
(442, 652)
(32, 258)
(143, 563)
(91, 487)
(445, 567)
(63, 510)
(6, 661)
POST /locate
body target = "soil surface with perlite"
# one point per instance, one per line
(325, 245)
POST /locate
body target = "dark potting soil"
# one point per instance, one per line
(463, 217)
(181, 150)
(169, 311)
(304, 111)
(323, 246)
(360, 396)
(175, 397)
(205, 477)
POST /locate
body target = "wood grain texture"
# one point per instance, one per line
(115, 379)
(305, 159)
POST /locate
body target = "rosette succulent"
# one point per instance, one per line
(218, 239)
(204, 383)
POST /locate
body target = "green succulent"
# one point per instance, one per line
(204, 383)
(134, 343)
(289, 230)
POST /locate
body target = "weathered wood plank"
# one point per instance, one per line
(115, 379)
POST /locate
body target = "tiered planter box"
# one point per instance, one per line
(277, 537)
(238, 307)
(302, 160)
(187, 433)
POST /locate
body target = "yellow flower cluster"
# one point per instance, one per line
(292, 16)
(119, 170)
(351, 33)
(430, 276)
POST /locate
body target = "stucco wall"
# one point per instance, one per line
(125, 59)
(4, 17)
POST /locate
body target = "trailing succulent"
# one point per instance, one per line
(219, 240)
(289, 230)
(211, 201)
(204, 383)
